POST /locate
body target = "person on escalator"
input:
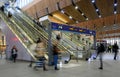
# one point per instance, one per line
(58, 37)
(9, 14)
(55, 56)
(2, 8)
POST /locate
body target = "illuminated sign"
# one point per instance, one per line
(56, 26)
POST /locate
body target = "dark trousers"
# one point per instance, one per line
(101, 60)
(115, 55)
(14, 56)
(55, 61)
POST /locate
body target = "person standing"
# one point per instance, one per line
(55, 56)
(14, 53)
(115, 50)
(101, 49)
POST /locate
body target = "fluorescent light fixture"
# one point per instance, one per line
(99, 16)
(97, 10)
(76, 7)
(115, 12)
(93, 1)
(115, 4)
(82, 14)
(70, 17)
(62, 11)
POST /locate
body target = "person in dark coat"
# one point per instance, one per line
(14, 53)
(101, 49)
(115, 50)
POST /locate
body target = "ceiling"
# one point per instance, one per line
(100, 15)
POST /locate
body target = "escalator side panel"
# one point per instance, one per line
(11, 40)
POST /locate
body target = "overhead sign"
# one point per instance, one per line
(56, 26)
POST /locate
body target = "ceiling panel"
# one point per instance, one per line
(74, 13)
(118, 6)
(105, 7)
(88, 9)
(62, 17)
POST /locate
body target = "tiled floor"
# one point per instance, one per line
(73, 69)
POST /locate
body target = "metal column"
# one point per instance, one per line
(49, 48)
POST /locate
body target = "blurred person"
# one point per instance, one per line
(14, 54)
(41, 51)
(100, 49)
(58, 37)
(115, 50)
(55, 56)
(109, 49)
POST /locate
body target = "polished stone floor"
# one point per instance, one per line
(73, 69)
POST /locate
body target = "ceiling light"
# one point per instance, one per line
(97, 10)
(115, 12)
(76, 21)
(82, 14)
(86, 18)
(62, 11)
(99, 16)
(93, 1)
(70, 17)
(115, 4)
(76, 7)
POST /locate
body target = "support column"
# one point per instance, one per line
(49, 48)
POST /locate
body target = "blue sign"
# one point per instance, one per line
(56, 26)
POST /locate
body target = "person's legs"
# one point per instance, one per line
(31, 62)
(115, 55)
(44, 66)
(14, 59)
(101, 62)
(55, 61)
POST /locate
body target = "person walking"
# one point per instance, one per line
(55, 56)
(115, 50)
(101, 49)
(14, 53)
(40, 53)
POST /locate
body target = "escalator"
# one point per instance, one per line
(20, 34)
(32, 24)
(32, 31)
(69, 45)
(24, 31)
(68, 42)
